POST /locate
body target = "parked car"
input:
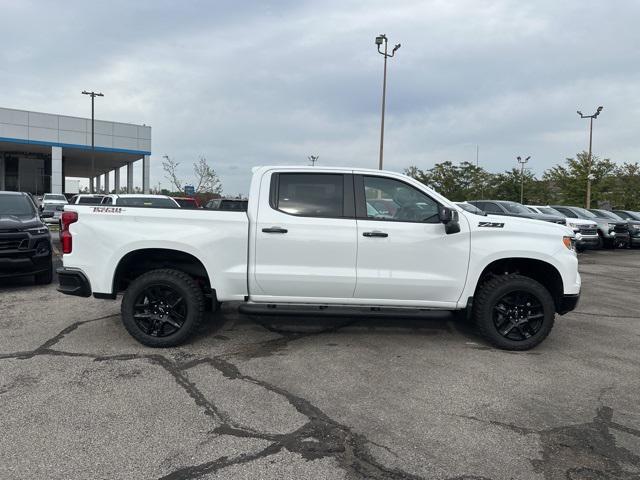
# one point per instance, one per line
(471, 208)
(86, 199)
(140, 200)
(514, 209)
(633, 226)
(612, 233)
(627, 214)
(187, 202)
(307, 244)
(228, 204)
(586, 230)
(51, 214)
(54, 199)
(25, 242)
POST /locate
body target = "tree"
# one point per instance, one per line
(571, 179)
(456, 182)
(207, 180)
(170, 167)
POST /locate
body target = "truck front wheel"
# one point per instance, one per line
(162, 308)
(513, 312)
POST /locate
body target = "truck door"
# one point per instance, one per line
(305, 238)
(405, 256)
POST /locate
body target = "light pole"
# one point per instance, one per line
(380, 39)
(522, 162)
(313, 159)
(93, 146)
(591, 118)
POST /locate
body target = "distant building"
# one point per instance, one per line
(38, 150)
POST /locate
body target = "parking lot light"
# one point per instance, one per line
(380, 40)
(589, 176)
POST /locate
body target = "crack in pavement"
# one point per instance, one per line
(579, 451)
(320, 437)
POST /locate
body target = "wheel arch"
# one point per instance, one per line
(139, 261)
(541, 271)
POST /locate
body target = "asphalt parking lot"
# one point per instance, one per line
(253, 398)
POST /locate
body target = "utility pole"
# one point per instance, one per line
(313, 159)
(591, 118)
(93, 146)
(522, 162)
(380, 39)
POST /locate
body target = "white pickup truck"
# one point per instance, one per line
(330, 241)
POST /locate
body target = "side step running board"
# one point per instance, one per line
(330, 311)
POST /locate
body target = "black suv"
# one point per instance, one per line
(514, 209)
(25, 242)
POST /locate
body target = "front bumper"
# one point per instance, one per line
(567, 303)
(73, 282)
(587, 240)
(24, 254)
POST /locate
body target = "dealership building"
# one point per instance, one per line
(39, 150)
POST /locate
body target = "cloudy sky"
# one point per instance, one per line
(261, 82)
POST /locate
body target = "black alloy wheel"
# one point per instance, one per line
(518, 315)
(160, 310)
(513, 312)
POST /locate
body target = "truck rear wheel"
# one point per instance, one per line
(513, 312)
(162, 308)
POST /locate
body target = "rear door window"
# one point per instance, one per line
(310, 194)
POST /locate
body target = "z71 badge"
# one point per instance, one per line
(491, 224)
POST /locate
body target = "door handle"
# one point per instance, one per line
(375, 234)
(275, 230)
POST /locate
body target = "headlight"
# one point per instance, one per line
(637, 227)
(569, 242)
(37, 230)
(612, 225)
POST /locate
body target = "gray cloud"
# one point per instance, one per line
(254, 83)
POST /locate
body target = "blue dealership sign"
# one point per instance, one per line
(189, 190)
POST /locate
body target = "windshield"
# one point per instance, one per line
(471, 208)
(607, 214)
(53, 196)
(90, 200)
(551, 211)
(17, 205)
(514, 207)
(583, 213)
(625, 214)
(146, 202)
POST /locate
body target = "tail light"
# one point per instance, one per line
(67, 218)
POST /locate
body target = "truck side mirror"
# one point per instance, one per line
(450, 219)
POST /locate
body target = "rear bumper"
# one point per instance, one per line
(73, 282)
(568, 303)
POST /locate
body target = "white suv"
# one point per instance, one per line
(586, 230)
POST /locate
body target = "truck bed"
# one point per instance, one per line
(218, 238)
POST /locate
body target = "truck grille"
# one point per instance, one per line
(588, 230)
(13, 242)
(620, 228)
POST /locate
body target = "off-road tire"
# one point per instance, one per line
(492, 291)
(179, 281)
